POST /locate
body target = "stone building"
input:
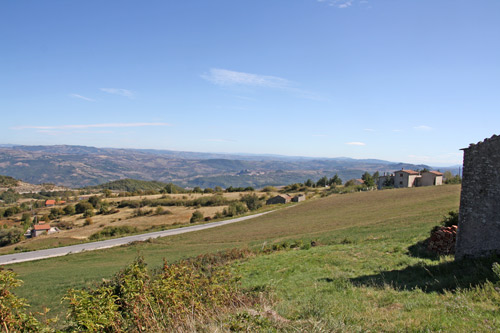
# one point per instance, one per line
(479, 216)
(406, 178)
(299, 198)
(279, 199)
(431, 178)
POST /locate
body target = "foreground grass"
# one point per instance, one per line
(366, 236)
(371, 286)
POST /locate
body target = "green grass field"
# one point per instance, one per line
(363, 277)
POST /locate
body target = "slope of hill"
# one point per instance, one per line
(364, 277)
(131, 185)
(79, 166)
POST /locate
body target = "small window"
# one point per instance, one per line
(400, 175)
(400, 183)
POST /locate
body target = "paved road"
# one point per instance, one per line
(61, 251)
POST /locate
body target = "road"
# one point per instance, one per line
(61, 251)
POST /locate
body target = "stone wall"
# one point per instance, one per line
(479, 217)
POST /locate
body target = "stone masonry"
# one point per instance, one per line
(479, 216)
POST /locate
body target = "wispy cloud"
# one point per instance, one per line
(424, 128)
(397, 130)
(120, 92)
(356, 143)
(80, 126)
(228, 78)
(219, 140)
(82, 97)
(320, 135)
(369, 130)
(338, 3)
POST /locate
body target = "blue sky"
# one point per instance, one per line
(410, 81)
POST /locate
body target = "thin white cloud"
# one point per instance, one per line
(320, 135)
(110, 125)
(424, 128)
(369, 130)
(339, 3)
(219, 140)
(120, 92)
(226, 77)
(82, 97)
(355, 143)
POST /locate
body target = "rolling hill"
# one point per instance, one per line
(80, 166)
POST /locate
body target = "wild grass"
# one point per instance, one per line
(363, 277)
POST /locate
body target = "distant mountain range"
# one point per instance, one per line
(79, 166)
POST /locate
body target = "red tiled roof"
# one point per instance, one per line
(360, 180)
(41, 227)
(411, 172)
(50, 202)
(437, 173)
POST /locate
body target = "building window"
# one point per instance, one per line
(400, 183)
(400, 175)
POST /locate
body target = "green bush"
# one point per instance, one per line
(252, 201)
(196, 217)
(14, 316)
(235, 208)
(113, 231)
(10, 236)
(83, 206)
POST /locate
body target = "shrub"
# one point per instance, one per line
(252, 201)
(83, 206)
(69, 210)
(196, 217)
(235, 208)
(13, 310)
(451, 219)
(138, 301)
(112, 232)
(10, 236)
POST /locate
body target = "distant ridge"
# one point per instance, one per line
(80, 166)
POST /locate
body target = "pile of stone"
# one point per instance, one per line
(442, 240)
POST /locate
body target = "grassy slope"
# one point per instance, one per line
(380, 225)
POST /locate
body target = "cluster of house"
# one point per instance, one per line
(285, 198)
(411, 178)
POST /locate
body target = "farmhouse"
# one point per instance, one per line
(50, 203)
(431, 178)
(279, 199)
(39, 229)
(410, 178)
(359, 181)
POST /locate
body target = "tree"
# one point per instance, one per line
(376, 176)
(83, 206)
(322, 182)
(335, 180)
(197, 189)
(349, 183)
(252, 201)
(69, 210)
(171, 188)
(10, 196)
(309, 183)
(368, 179)
(95, 201)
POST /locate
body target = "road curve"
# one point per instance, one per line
(61, 251)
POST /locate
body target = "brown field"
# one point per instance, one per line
(82, 230)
